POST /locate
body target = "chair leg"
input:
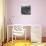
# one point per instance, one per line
(15, 38)
(12, 36)
(25, 36)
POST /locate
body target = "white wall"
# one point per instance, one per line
(38, 12)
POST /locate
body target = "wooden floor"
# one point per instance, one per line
(43, 39)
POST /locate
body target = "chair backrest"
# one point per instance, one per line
(18, 30)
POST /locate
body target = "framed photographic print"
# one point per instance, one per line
(26, 10)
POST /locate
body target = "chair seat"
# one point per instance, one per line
(18, 33)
